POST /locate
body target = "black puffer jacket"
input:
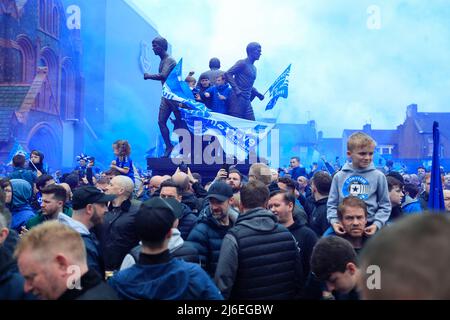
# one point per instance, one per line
(259, 259)
(207, 237)
(186, 221)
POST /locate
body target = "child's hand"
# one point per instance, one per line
(370, 231)
(23, 230)
(207, 95)
(338, 228)
(221, 97)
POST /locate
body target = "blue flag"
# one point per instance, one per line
(436, 198)
(279, 88)
(236, 136)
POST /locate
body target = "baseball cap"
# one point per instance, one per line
(88, 195)
(156, 217)
(220, 191)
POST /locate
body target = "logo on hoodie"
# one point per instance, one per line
(356, 186)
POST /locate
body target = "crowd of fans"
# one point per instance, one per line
(262, 234)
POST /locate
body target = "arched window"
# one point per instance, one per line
(55, 18)
(49, 59)
(48, 17)
(29, 58)
(11, 70)
(68, 90)
(42, 16)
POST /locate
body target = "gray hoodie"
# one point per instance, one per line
(368, 184)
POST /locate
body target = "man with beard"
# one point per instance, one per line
(352, 214)
(52, 207)
(234, 179)
(90, 207)
(214, 222)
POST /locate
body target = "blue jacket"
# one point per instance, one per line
(24, 174)
(207, 237)
(219, 105)
(411, 206)
(20, 204)
(175, 280)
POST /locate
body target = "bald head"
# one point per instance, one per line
(181, 179)
(121, 186)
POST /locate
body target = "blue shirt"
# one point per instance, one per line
(126, 163)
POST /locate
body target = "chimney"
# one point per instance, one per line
(367, 128)
(320, 135)
(312, 123)
(411, 111)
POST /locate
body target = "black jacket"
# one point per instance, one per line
(186, 221)
(11, 281)
(92, 288)
(318, 220)
(189, 199)
(306, 240)
(118, 236)
(259, 259)
(207, 237)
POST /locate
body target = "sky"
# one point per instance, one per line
(353, 62)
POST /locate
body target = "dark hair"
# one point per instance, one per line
(4, 183)
(42, 180)
(39, 166)
(214, 63)
(124, 148)
(58, 192)
(412, 189)
(331, 254)
(39, 154)
(296, 158)
(161, 42)
(198, 177)
(19, 161)
(234, 170)
(392, 182)
(72, 180)
(254, 194)
(172, 184)
(396, 175)
(351, 201)
(322, 181)
(288, 182)
(287, 196)
(113, 172)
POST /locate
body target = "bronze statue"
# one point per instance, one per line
(160, 46)
(241, 77)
